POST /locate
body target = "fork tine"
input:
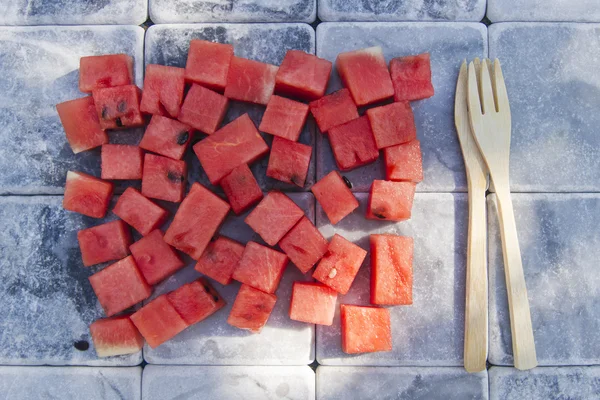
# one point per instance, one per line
(487, 93)
(500, 88)
(473, 103)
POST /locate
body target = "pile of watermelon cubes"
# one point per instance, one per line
(178, 103)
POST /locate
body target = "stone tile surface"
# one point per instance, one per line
(543, 10)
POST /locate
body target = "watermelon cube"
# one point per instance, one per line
(251, 309)
(250, 80)
(411, 77)
(391, 269)
(234, 144)
(97, 72)
(365, 329)
(158, 321)
(164, 178)
(334, 196)
(333, 110)
(304, 245)
(284, 118)
(203, 109)
(120, 286)
(115, 336)
(120, 161)
(163, 90)
(391, 201)
(261, 267)
(241, 189)
(404, 162)
(196, 301)
(313, 303)
(392, 124)
(365, 73)
(302, 75)
(167, 137)
(220, 259)
(196, 221)
(353, 144)
(106, 242)
(289, 161)
(80, 122)
(139, 212)
(86, 194)
(274, 216)
(155, 259)
(208, 63)
(118, 107)
(340, 264)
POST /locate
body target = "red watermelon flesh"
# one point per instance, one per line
(196, 301)
(334, 196)
(289, 161)
(340, 264)
(261, 267)
(196, 221)
(302, 75)
(115, 336)
(274, 216)
(220, 259)
(87, 195)
(404, 162)
(164, 178)
(353, 144)
(250, 80)
(158, 321)
(251, 309)
(106, 242)
(120, 161)
(208, 63)
(234, 144)
(155, 259)
(365, 329)
(392, 124)
(163, 90)
(313, 303)
(284, 118)
(120, 286)
(304, 245)
(391, 269)
(97, 72)
(203, 109)
(411, 77)
(391, 201)
(334, 109)
(365, 73)
(241, 189)
(118, 107)
(167, 137)
(139, 212)
(80, 122)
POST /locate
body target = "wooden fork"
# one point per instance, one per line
(489, 114)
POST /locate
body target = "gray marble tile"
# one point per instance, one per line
(169, 44)
(429, 332)
(70, 383)
(554, 93)
(402, 383)
(181, 11)
(48, 303)
(401, 10)
(73, 12)
(226, 383)
(560, 246)
(448, 44)
(543, 10)
(545, 383)
(38, 69)
(214, 342)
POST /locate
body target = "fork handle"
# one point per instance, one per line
(476, 307)
(518, 303)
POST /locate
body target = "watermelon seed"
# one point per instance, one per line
(119, 122)
(296, 180)
(81, 345)
(183, 137)
(174, 177)
(122, 106)
(332, 273)
(104, 113)
(216, 298)
(347, 182)
(207, 288)
(379, 213)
